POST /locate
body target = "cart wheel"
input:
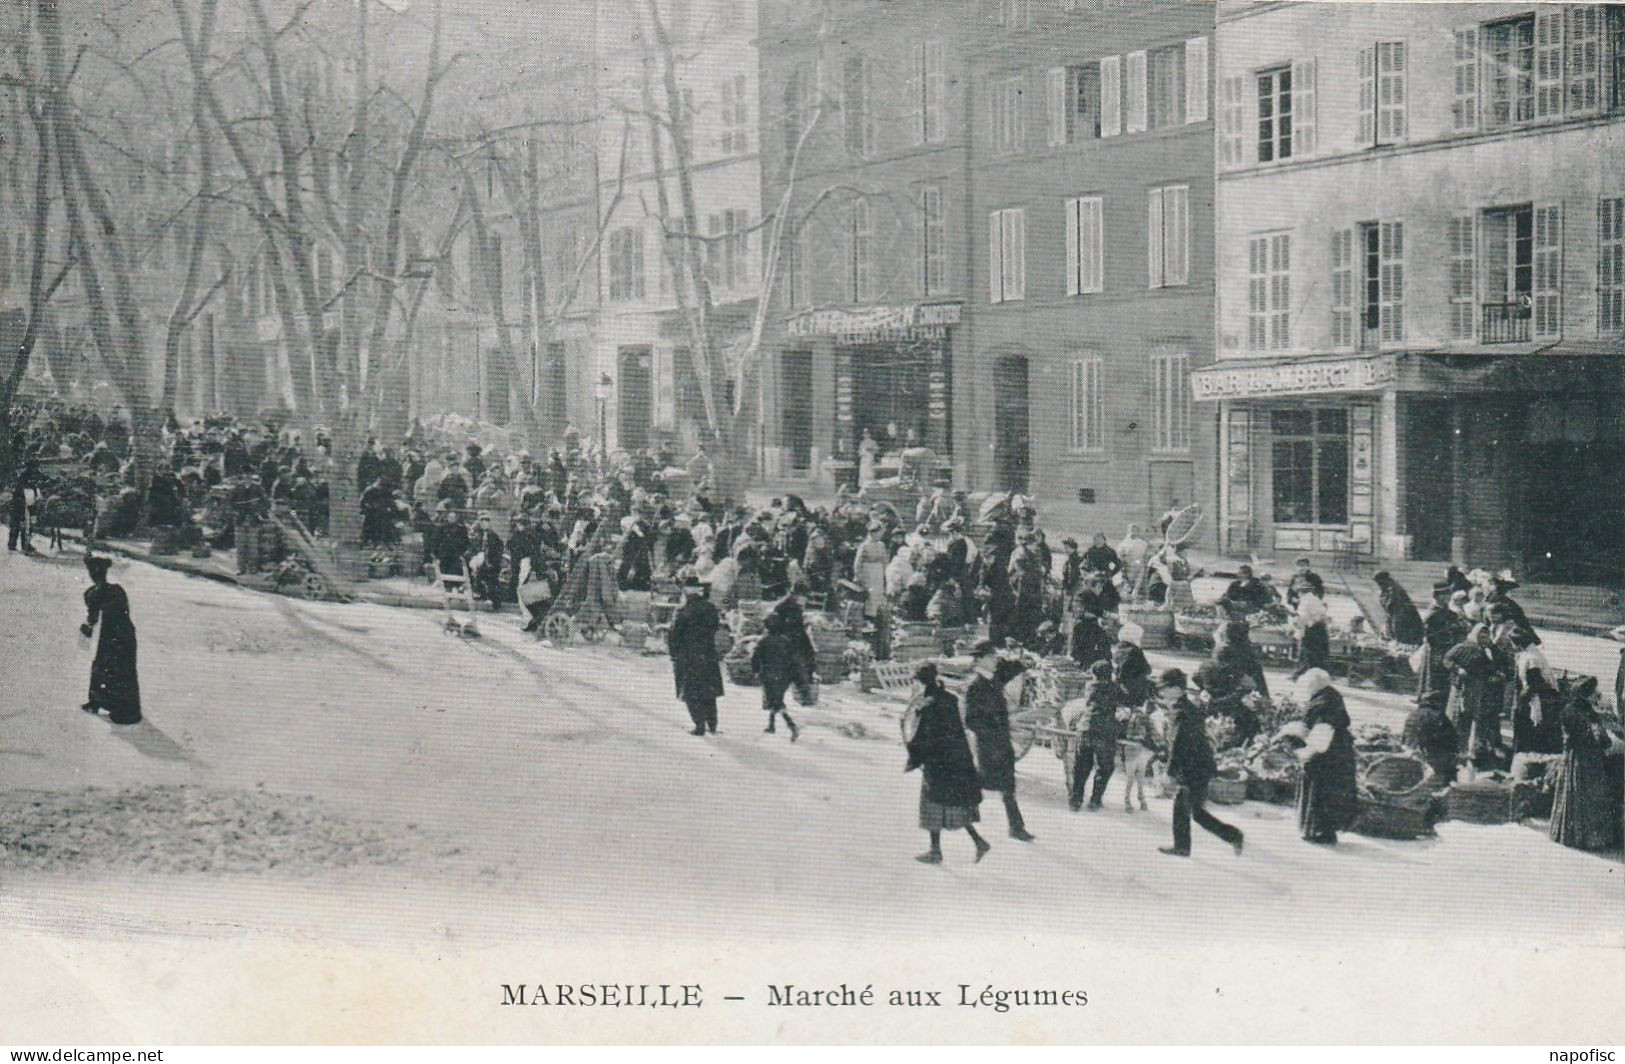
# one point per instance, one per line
(559, 629)
(313, 588)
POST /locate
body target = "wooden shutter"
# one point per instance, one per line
(995, 257)
(1342, 288)
(1548, 287)
(1111, 96)
(1464, 111)
(1548, 61)
(1176, 265)
(1391, 281)
(1074, 261)
(1153, 238)
(1391, 92)
(1196, 80)
(1232, 114)
(1303, 108)
(1135, 111)
(1092, 237)
(1584, 58)
(1016, 253)
(1461, 276)
(1055, 101)
(1368, 98)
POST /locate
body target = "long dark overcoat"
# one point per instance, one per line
(940, 749)
(988, 718)
(692, 643)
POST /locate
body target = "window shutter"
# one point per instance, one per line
(1548, 290)
(1196, 80)
(995, 257)
(1176, 223)
(1303, 108)
(1092, 235)
(1074, 266)
(1055, 97)
(1584, 58)
(1111, 96)
(1232, 135)
(1391, 281)
(1134, 114)
(1342, 288)
(1464, 111)
(1391, 92)
(914, 93)
(1368, 98)
(1548, 61)
(1153, 238)
(1016, 226)
(1461, 277)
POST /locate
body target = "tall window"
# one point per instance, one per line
(1085, 245)
(933, 242)
(1168, 236)
(1461, 277)
(1275, 114)
(1269, 292)
(860, 261)
(927, 92)
(1167, 86)
(1309, 474)
(734, 107)
(1007, 255)
(1508, 256)
(1170, 400)
(1611, 263)
(1382, 93)
(1088, 404)
(1084, 112)
(1005, 114)
(855, 105)
(626, 264)
(728, 252)
(1509, 71)
(1342, 288)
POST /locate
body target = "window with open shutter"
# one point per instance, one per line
(1549, 61)
(1464, 109)
(1196, 79)
(1153, 237)
(1134, 111)
(1611, 263)
(1015, 254)
(1055, 105)
(1391, 281)
(1072, 247)
(914, 94)
(1368, 97)
(1548, 287)
(995, 257)
(1111, 96)
(1391, 92)
(1342, 288)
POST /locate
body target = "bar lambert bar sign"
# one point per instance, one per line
(1295, 378)
(874, 322)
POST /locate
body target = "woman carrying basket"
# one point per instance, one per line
(950, 792)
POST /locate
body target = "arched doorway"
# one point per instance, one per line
(1012, 455)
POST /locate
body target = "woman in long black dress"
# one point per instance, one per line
(1585, 808)
(114, 685)
(950, 792)
(1328, 798)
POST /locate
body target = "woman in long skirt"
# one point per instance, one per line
(1328, 799)
(1585, 809)
(950, 792)
(114, 685)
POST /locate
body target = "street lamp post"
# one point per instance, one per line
(600, 391)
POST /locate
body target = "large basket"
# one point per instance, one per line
(1387, 819)
(1480, 802)
(1395, 775)
(1195, 624)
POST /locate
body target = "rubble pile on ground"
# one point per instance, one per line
(183, 829)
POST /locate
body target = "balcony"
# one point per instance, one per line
(1506, 323)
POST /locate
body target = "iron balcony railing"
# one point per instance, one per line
(1506, 323)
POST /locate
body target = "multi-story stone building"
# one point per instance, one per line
(1421, 301)
(864, 128)
(1092, 157)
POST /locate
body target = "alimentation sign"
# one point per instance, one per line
(875, 322)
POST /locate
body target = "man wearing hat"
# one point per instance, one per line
(1305, 579)
(987, 717)
(692, 644)
(1442, 629)
(486, 562)
(1191, 765)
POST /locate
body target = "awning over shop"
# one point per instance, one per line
(908, 321)
(1307, 375)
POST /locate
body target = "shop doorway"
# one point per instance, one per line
(1430, 481)
(796, 394)
(1012, 455)
(891, 392)
(635, 390)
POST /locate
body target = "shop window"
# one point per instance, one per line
(1309, 453)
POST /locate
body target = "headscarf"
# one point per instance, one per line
(1131, 633)
(1314, 681)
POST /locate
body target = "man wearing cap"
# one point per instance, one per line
(987, 717)
(1191, 765)
(692, 644)
(1246, 594)
(487, 551)
(1305, 579)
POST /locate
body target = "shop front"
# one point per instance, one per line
(884, 371)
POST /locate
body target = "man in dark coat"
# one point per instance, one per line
(1101, 558)
(20, 529)
(1246, 594)
(988, 719)
(1098, 596)
(377, 514)
(692, 644)
(776, 665)
(1090, 643)
(485, 580)
(1403, 622)
(1191, 765)
(449, 541)
(1305, 579)
(1097, 749)
(1442, 629)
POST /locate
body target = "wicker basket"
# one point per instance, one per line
(1480, 802)
(1225, 791)
(1395, 775)
(1156, 622)
(1387, 819)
